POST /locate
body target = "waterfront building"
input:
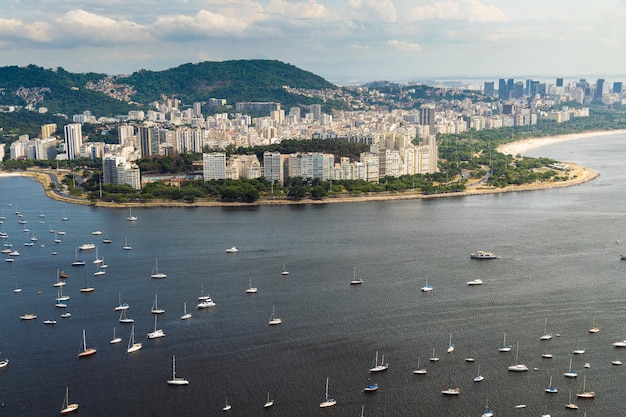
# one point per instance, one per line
(214, 166)
(73, 140)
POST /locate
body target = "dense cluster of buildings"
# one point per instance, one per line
(401, 141)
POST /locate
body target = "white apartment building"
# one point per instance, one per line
(73, 140)
(214, 166)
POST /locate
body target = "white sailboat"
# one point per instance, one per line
(518, 367)
(327, 400)
(156, 333)
(273, 319)
(570, 373)
(205, 300)
(570, 405)
(251, 289)
(185, 315)
(97, 260)
(115, 339)
(155, 271)
(120, 305)
(132, 346)
(124, 318)
(203, 297)
(433, 358)
(130, 217)
(85, 351)
(505, 347)
(77, 262)
(155, 307)
(126, 245)
(450, 390)
(285, 272)
(450, 345)
(355, 280)
(426, 287)
(176, 380)
(419, 371)
(594, 326)
(269, 401)
(545, 335)
(378, 367)
(584, 393)
(551, 389)
(227, 406)
(67, 408)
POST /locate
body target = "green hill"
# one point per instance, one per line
(236, 81)
(62, 91)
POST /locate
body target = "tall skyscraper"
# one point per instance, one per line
(617, 87)
(559, 82)
(489, 89)
(73, 139)
(599, 91)
(148, 140)
(503, 91)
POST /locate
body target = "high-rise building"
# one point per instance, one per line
(617, 87)
(214, 166)
(316, 111)
(503, 90)
(427, 115)
(599, 91)
(559, 82)
(73, 140)
(48, 130)
(148, 140)
(489, 89)
(273, 167)
(197, 109)
(125, 133)
(518, 89)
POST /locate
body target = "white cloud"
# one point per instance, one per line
(80, 26)
(470, 10)
(404, 45)
(13, 29)
(202, 24)
(375, 10)
(301, 10)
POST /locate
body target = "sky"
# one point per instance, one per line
(347, 41)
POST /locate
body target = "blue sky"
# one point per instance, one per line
(343, 41)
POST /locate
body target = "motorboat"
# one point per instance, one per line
(87, 246)
(476, 281)
(481, 254)
(232, 250)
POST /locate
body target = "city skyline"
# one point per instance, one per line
(354, 41)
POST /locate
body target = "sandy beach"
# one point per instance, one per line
(525, 145)
(576, 174)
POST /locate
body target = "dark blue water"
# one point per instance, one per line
(559, 260)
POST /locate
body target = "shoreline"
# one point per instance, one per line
(525, 145)
(577, 174)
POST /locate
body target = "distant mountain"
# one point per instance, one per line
(236, 81)
(243, 80)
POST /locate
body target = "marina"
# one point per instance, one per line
(555, 241)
